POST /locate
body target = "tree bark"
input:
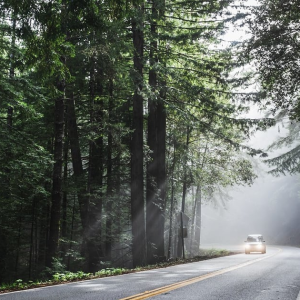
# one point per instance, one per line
(156, 170)
(192, 224)
(57, 177)
(31, 247)
(64, 222)
(152, 205)
(109, 215)
(77, 160)
(93, 231)
(12, 69)
(172, 200)
(198, 220)
(161, 173)
(65, 172)
(137, 174)
(180, 248)
(56, 198)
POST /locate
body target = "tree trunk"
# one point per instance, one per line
(152, 205)
(180, 249)
(137, 174)
(197, 209)
(6, 192)
(56, 198)
(64, 223)
(192, 224)
(20, 226)
(198, 220)
(172, 204)
(93, 231)
(109, 216)
(156, 170)
(57, 176)
(117, 228)
(77, 160)
(71, 232)
(31, 248)
(12, 69)
(161, 173)
(3, 254)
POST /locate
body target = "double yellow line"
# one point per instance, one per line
(174, 286)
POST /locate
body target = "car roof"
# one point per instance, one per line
(254, 234)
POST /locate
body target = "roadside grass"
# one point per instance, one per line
(66, 277)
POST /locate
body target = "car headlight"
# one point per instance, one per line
(247, 246)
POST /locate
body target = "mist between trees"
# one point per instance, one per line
(114, 117)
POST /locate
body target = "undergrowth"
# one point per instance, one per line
(66, 276)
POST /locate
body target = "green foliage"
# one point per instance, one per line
(273, 51)
(70, 276)
(19, 284)
(111, 272)
(273, 48)
(57, 266)
(288, 162)
(87, 47)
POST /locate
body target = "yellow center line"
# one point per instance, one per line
(174, 286)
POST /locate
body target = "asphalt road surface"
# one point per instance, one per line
(271, 276)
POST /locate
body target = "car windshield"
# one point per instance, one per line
(254, 239)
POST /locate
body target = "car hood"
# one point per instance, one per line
(254, 243)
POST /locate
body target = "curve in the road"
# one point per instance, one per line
(174, 286)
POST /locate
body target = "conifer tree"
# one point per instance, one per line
(273, 47)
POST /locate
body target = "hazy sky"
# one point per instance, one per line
(270, 206)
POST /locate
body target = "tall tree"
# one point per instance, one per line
(57, 183)
(93, 230)
(156, 134)
(137, 157)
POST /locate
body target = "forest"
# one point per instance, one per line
(118, 118)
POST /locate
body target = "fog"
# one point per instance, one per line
(269, 207)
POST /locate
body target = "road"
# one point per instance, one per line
(272, 276)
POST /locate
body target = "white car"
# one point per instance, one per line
(255, 243)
